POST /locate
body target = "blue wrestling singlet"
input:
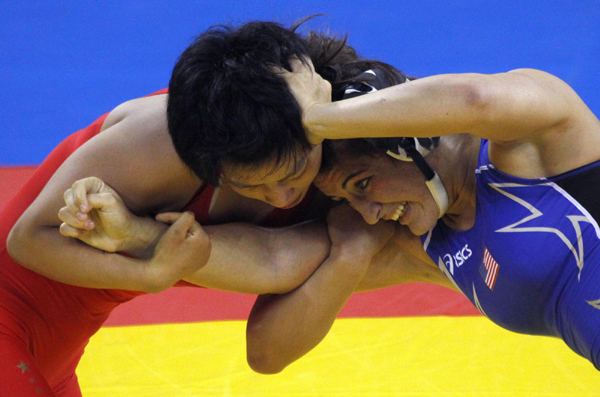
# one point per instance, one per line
(531, 262)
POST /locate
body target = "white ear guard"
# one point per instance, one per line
(402, 148)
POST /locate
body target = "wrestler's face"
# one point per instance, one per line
(280, 185)
(380, 187)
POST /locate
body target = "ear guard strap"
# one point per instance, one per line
(401, 148)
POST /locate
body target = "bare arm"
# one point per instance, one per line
(282, 328)
(402, 261)
(250, 259)
(131, 144)
(506, 106)
(244, 258)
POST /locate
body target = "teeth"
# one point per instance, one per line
(399, 211)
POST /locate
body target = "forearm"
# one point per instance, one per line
(389, 269)
(250, 259)
(283, 328)
(402, 260)
(503, 106)
(444, 104)
(71, 262)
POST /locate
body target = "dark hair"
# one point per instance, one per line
(339, 63)
(225, 103)
(227, 107)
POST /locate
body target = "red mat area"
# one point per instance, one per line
(187, 304)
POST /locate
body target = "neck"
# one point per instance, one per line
(455, 161)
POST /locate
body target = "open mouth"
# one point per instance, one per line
(399, 211)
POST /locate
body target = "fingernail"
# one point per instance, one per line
(89, 225)
(83, 207)
(81, 216)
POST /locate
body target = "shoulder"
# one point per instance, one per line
(134, 154)
(141, 110)
(546, 128)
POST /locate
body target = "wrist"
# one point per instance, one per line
(312, 123)
(350, 260)
(144, 235)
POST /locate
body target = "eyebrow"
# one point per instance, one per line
(350, 177)
(297, 166)
(239, 185)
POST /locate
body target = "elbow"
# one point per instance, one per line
(16, 243)
(263, 354)
(264, 363)
(22, 241)
(264, 359)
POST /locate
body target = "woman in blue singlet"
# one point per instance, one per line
(505, 203)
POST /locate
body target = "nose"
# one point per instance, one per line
(280, 196)
(370, 211)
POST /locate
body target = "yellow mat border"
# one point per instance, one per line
(424, 356)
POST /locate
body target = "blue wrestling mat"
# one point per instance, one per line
(65, 63)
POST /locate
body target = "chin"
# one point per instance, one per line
(421, 229)
(418, 231)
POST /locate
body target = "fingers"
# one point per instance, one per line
(301, 65)
(279, 70)
(80, 190)
(297, 65)
(195, 230)
(182, 225)
(76, 198)
(69, 231)
(77, 219)
(168, 217)
(102, 201)
(66, 216)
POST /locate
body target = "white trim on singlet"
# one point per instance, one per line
(564, 193)
(427, 240)
(576, 204)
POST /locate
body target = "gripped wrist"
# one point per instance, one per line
(350, 258)
(143, 236)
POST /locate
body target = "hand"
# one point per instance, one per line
(95, 214)
(308, 88)
(352, 237)
(182, 250)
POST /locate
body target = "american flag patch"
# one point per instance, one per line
(489, 269)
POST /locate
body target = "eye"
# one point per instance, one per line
(363, 183)
(300, 171)
(339, 199)
(297, 176)
(248, 187)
